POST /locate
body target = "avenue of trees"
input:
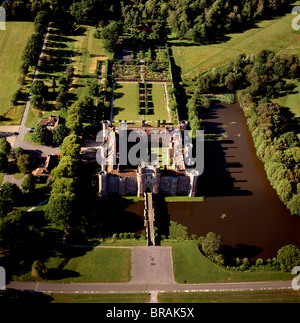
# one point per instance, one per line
(5, 150)
(62, 204)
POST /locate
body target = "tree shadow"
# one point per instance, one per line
(241, 251)
(57, 274)
(162, 217)
(12, 296)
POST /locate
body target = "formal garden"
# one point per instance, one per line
(144, 88)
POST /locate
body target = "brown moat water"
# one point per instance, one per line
(240, 203)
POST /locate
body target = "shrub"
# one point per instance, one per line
(288, 257)
(177, 231)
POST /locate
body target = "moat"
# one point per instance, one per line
(240, 203)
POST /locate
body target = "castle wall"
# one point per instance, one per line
(166, 185)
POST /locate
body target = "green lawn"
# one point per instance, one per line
(158, 111)
(191, 266)
(126, 102)
(12, 43)
(1, 178)
(184, 199)
(275, 34)
(292, 101)
(100, 298)
(98, 265)
(265, 296)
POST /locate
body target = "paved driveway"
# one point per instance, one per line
(152, 265)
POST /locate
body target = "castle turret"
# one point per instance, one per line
(122, 186)
(156, 178)
(140, 179)
(103, 189)
(193, 174)
(105, 128)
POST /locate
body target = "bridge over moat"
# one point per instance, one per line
(149, 218)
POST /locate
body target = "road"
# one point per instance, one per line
(135, 287)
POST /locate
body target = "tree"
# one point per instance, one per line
(70, 70)
(70, 146)
(23, 163)
(42, 135)
(18, 151)
(40, 29)
(3, 161)
(177, 231)
(284, 190)
(39, 88)
(93, 90)
(67, 167)
(28, 183)
(16, 97)
(5, 146)
(41, 18)
(294, 204)
(288, 257)
(54, 83)
(11, 192)
(38, 102)
(11, 231)
(63, 185)
(195, 125)
(212, 243)
(110, 35)
(59, 133)
(32, 50)
(231, 81)
(60, 208)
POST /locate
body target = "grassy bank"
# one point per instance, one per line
(190, 266)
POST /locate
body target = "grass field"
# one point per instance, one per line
(103, 265)
(191, 266)
(265, 296)
(276, 34)
(100, 298)
(159, 105)
(126, 102)
(12, 43)
(292, 101)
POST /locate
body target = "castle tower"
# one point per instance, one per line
(105, 128)
(193, 174)
(140, 179)
(103, 189)
(156, 178)
(122, 186)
